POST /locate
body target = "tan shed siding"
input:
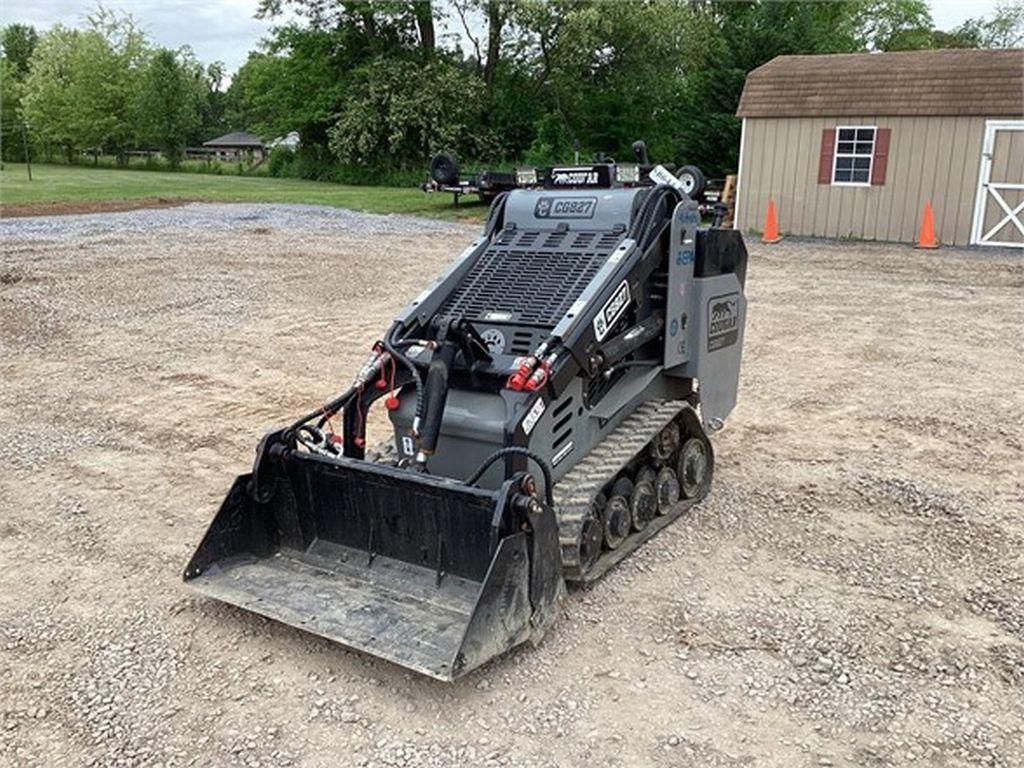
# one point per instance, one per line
(930, 158)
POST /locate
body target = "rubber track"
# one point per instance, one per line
(575, 492)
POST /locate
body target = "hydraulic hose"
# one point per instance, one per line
(495, 213)
(331, 408)
(545, 469)
(391, 346)
(645, 224)
(327, 410)
(435, 396)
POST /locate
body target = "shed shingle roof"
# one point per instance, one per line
(236, 139)
(944, 82)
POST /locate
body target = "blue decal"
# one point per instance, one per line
(673, 328)
(684, 256)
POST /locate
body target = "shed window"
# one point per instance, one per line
(855, 149)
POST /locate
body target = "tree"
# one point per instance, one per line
(214, 105)
(17, 42)
(1004, 29)
(167, 106)
(106, 72)
(402, 111)
(48, 101)
(894, 25)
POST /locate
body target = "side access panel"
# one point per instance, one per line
(706, 312)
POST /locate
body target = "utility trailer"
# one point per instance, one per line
(485, 185)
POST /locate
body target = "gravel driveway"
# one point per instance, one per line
(852, 594)
(219, 217)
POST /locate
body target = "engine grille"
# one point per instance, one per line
(533, 276)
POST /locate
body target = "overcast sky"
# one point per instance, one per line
(226, 30)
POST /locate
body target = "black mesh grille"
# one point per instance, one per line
(534, 276)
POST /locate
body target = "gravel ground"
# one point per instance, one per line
(219, 217)
(850, 595)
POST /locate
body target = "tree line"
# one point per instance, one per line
(105, 89)
(374, 88)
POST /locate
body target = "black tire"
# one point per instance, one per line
(694, 468)
(444, 169)
(693, 180)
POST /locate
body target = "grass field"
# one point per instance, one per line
(64, 184)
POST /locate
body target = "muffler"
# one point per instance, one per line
(422, 571)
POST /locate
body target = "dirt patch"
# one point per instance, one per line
(850, 595)
(20, 210)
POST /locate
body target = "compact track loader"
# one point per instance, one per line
(551, 394)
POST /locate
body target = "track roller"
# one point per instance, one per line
(643, 504)
(617, 515)
(664, 446)
(666, 487)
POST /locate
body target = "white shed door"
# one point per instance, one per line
(999, 205)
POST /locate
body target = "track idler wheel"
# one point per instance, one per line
(617, 515)
(666, 488)
(591, 538)
(694, 468)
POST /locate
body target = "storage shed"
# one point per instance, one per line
(855, 145)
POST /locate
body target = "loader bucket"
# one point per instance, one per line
(422, 571)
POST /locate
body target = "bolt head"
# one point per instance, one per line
(529, 485)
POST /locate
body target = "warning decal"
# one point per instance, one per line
(612, 310)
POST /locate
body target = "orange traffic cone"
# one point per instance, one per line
(771, 225)
(926, 237)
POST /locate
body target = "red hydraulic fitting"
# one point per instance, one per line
(391, 403)
(543, 372)
(539, 378)
(518, 379)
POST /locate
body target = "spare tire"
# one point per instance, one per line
(693, 180)
(444, 169)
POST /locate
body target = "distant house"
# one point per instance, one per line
(236, 146)
(855, 145)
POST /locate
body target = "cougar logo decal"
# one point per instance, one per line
(723, 321)
(721, 309)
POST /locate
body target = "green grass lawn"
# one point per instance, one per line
(61, 183)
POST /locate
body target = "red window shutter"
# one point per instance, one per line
(828, 150)
(881, 161)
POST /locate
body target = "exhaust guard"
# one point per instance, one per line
(423, 571)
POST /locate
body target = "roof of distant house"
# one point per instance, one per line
(943, 82)
(235, 139)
